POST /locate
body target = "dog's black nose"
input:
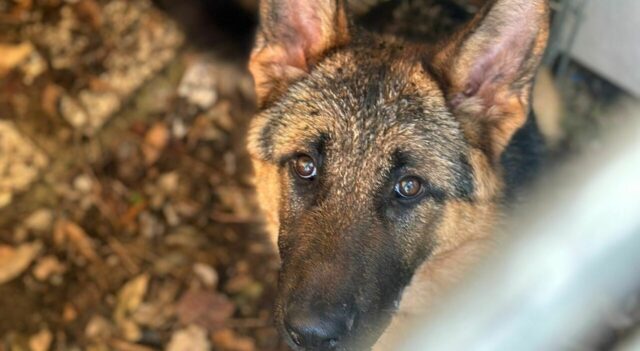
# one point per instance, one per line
(321, 329)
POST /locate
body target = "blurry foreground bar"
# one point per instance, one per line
(568, 258)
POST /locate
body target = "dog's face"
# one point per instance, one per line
(371, 156)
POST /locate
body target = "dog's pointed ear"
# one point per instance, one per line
(487, 69)
(292, 37)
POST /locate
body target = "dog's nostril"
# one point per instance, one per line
(321, 329)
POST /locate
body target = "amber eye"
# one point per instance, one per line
(409, 187)
(305, 167)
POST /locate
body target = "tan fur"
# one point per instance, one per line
(549, 108)
(371, 102)
(464, 240)
(504, 98)
(276, 62)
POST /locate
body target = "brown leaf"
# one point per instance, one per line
(90, 12)
(13, 55)
(228, 340)
(192, 338)
(130, 297)
(67, 232)
(207, 309)
(41, 341)
(206, 274)
(155, 141)
(69, 313)
(50, 100)
(14, 261)
(98, 327)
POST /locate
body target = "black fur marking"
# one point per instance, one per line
(464, 184)
(522, 158)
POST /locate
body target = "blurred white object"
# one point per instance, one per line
(566, 261)
(607, 40)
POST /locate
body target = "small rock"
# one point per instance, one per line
(83, 183)
(207, 274)
(169, 182)
(41, 341)
(198, 85)
(170, 215)
(48, 266)
(192, 338)
(150, 226)
(100, 106)
(178, 128)
(40, 220)
(73, 112)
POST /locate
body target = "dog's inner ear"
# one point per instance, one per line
(293, 36)
(487, 69)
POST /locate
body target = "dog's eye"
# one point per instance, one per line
(409, 187)
(305, 167)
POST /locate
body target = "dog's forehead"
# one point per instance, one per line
(368, 102)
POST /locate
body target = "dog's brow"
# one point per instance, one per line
(314, 146)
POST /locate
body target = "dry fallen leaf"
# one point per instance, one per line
(14, 261)
(130, 297)
(206, 274)
(192, 338)
(228, 340)
(40, 220)
(66, 231)
(207, 309)
(69, 313)
(155, 141)
(51, 95)
(12, 55)
(98, 327)
(41, 341)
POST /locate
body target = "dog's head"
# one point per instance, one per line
(373, 155)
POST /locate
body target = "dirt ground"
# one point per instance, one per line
(127, 216)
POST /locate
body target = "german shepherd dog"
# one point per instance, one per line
(383, 166)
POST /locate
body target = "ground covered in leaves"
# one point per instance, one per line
(127, 216)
